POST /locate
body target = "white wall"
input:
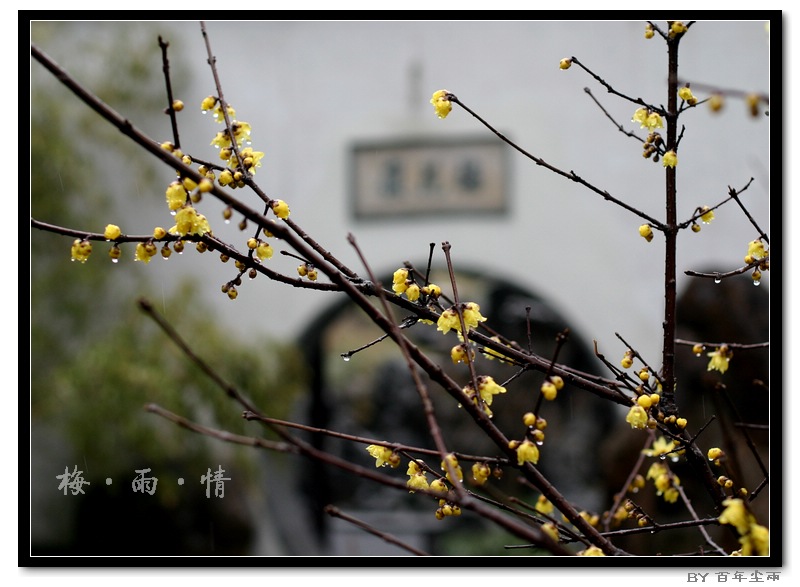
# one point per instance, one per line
(310, 89)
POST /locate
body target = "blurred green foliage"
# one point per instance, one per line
(96, 359)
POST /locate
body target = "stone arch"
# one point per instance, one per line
(372, 395)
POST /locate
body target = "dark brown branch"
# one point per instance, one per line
(670, 236)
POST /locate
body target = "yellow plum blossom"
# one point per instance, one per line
(662, 446)
(736, 514)
(241, 131)
(432, 290)
(543, 505)
(637, 417)
(756, 249)
(208, 103)
(399, 279)
(677, 28)
(217, 112)
(488, 388)
(264, 251)
(225, 177)
(441, 103)
(145, 252)
(449, 318)
(550, 529)
(527, 452)
(627, 358)
(416, 477)
(472, 315)
(685, 93)
(665, 482)
(176, 195)
(670, 159)
(453, 462)
(549, 390)
(112, 232)
(755, 542)
(188, 221)
(251, 159)
(81, 250)
(382, 455)
(461, 354)
(413, 468)
(221, 140)
(448, 321)
(281, 209)
(412, 292)
(720, 359)
(492, 354)
(438, 486)
(647, 119)
(481, 472)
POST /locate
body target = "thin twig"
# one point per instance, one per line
(222, 435)
(457, 306)
(718, 276)
(335, 512)
(702, 528)
(612, 90)
(571, 175)
(212, 62)
(621, 495)
(616, 124)
(396, 446)
(176, 139)
(735, 196)
(733, 345)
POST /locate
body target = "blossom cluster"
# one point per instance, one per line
(754, 537)
(484, 395)
(449, 320)
(666, 482)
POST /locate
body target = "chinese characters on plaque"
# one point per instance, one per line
(425, 177)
